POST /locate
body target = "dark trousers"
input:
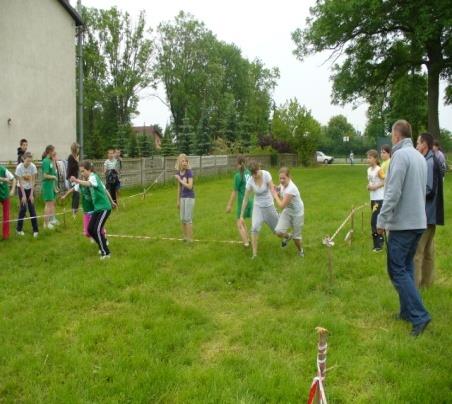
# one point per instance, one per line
(23, 211)
(401, 250)
(375, 207)
(112, 188)
(75, 201)
(95, 230)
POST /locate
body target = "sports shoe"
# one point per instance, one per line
(301, 253)
(286, 240)
(377, 250)
(35, 234)
(254, 257)
(105, 257)
(20, 233)
(55, 222)
(50, 226)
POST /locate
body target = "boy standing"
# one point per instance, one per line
(21, 150)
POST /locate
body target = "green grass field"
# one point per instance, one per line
(164, 321)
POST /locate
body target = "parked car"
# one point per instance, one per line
(323, 158)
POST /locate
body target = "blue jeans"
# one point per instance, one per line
(401, 249)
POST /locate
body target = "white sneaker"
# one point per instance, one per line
(301, 253)
(35, 234)
(92, 240)
(50, 226)
(20, 233)
(55, 222)
(105, 257)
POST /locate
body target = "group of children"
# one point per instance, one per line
(376, 175)
(255, 196)
(253, 191)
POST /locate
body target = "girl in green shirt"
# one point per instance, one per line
(102, 205)
(240, 179)
(48, 186)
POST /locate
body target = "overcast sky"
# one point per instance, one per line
(262, 30)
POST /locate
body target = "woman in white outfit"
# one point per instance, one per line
(264, 211)
(292, 215)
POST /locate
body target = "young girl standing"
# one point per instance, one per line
(26, 175)
(6, 178)
(48, 186)
(385, 155)
(260, 183)
(102, 204)
(292, 215)
(241, 177)
(375, 186)
(185, 195)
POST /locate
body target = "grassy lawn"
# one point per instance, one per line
(164, 321)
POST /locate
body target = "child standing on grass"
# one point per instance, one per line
(6, 178)
(49, 187)
(241, 177)
(26, 174)
(102, 204)
(375, 186)
(185, 196)
(260, 183)
(292, 215)
(111, 171)
(385, 155)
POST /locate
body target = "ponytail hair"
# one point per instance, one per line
(49, 149)
(254, 167)
(285, 171)
(241, 162)
(87, 165)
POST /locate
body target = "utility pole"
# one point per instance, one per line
(80, 83)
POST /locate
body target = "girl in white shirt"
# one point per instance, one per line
(261, 184)
(292, 215)
(375, 186)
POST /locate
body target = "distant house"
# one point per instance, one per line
(37, 75)
(150, 131)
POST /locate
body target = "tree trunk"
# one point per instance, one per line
(434, 66)
(432, 100)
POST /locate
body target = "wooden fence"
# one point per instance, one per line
(140, 172)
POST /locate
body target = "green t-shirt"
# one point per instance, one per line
(98, 193)
(240, 184)
(4, 188)
(85, 193)
(48, 168)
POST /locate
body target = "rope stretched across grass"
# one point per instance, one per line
(329, 241)
(156, 238)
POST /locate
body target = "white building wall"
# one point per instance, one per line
(37, 77)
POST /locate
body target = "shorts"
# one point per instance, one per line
(260, 216)
(186, 210)
(287, 221)
(248, 210)
(48, 191)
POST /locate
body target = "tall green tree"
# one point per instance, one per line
(185, 139)
(168, 147)
(380, 42)
(202, 144)
(117, 65)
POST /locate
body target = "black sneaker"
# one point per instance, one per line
(419, 329)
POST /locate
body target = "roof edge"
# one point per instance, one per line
(72, 11)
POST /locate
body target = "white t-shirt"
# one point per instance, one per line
(26, 174)
(8, 175)
(296, 206)
(374, 179)
(263, 197)
(111, 165)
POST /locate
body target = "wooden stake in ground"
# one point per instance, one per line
(328, 243)
(362, 220)
(317, 392)
(352, 220)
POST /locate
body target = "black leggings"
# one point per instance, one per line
(95, 227)
(377, 239)
(23, 211)
(113, 188)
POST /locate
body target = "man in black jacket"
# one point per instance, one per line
(424, 260)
